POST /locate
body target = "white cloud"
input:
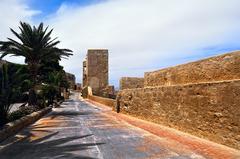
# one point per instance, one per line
(11, 13)
(143, 35)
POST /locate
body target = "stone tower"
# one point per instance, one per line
(95, 70)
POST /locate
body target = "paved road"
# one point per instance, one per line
(80, 130)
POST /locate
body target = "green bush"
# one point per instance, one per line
(12, 78)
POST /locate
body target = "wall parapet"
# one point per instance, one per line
(209, 110)
(105, 101)
(131, 82)
(217, 68)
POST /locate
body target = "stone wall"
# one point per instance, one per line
(97, 70)
(106, 101)
(86, 91)
(219, 68)
(109, 92)
(131, 82)
(209, 110)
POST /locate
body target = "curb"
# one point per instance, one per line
(15, 126)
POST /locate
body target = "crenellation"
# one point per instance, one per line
(217, 68)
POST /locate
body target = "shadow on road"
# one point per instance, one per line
(69, 114)
(48, 146)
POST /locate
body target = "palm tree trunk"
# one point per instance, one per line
(32, 99)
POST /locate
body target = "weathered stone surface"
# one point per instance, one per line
(209, 110)
(218, 68)
(109, 92)
(95, 70)
(84, 76)
(106, 101)
(86, 91)
(131, 82)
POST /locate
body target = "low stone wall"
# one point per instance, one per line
(209, 110)
(106, 101)
(218, 68)
(15, 126)
(131, 82)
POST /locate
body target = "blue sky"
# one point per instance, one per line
(141, 35)
(48, 7)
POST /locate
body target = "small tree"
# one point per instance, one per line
(51, 90)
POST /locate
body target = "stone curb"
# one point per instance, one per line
(15, 126)
(103, 100)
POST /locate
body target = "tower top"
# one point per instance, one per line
(97, 51)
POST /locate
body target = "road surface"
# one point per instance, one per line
(81, 130)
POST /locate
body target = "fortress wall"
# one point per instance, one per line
(218, 68)
(209, 110)
(131, 82)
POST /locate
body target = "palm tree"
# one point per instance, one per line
(35, 44)
(51, 89)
